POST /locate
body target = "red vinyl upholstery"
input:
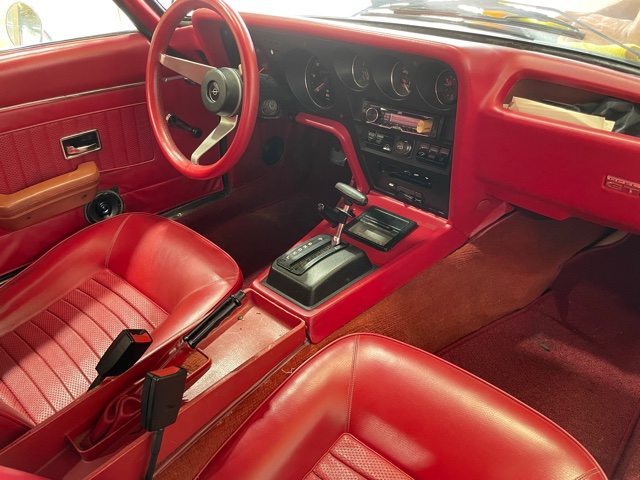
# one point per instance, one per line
(370, 407)
(59, 315)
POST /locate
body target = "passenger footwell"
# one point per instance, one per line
(574, 354)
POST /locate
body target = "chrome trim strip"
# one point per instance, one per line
(72, 95)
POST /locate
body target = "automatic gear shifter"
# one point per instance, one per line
(338, 217)
(321, 266)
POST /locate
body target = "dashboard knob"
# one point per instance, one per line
(403, 148)
(371, 114)
(424, 126)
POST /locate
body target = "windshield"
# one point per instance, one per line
(609, 29)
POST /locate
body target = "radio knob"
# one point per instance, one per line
(371, 114)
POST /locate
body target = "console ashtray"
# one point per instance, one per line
(379, 228)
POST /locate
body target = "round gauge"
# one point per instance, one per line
(263, 63)
(360, 71)
(447, 88)
(401, 80)
(318, 83)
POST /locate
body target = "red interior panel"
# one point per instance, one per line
(71, 67)
(35, 154)
(501, 158)
(92, 85)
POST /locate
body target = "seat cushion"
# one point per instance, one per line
(371, 407)
(59, 315)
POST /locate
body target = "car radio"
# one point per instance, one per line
(407, 154)
(413, 123)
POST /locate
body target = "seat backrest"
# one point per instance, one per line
(423, 415)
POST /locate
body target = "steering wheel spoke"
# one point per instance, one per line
(226, 126)
(191, 70)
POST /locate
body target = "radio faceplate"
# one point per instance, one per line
(413, 123)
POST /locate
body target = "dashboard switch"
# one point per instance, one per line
(423, 151)
(433, 153)
(443, 156)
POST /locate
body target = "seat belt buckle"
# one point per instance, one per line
(123, 353)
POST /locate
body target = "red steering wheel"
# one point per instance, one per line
(232, 94)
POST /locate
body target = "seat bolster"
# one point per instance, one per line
(12, 425)
(192, 309)
(434, 420)
(58, 271)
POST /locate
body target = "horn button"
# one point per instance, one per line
(222, 91)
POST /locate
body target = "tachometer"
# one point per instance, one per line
(401, 81)
(318, 83)
(447, 88)
(360, 72)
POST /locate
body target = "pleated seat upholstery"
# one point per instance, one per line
(59, 315)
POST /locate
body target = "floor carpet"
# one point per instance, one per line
(574, 354)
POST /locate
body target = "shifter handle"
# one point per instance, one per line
(352, 195)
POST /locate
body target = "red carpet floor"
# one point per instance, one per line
(574, 354)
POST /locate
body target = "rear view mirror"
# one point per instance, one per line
(24, 26)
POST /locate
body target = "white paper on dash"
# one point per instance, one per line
(524, 105)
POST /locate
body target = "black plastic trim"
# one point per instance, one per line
(135, 20)
(8, 276)
(188, 207)
(154, 5)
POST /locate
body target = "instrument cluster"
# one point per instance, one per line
(315, 79)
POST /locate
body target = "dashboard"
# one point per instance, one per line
(399, 108)
(426, 118)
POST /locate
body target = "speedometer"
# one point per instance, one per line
(401, 81)
(318, 83)
(447, 88)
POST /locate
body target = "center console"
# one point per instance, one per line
(407, 155)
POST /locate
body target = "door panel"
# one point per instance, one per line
(50, 71)
(34, 154)
(55, 91)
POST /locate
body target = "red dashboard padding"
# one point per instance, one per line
(59, 315)
(369, 406)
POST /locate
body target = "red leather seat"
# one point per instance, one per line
(59, 315)
(370, 407)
